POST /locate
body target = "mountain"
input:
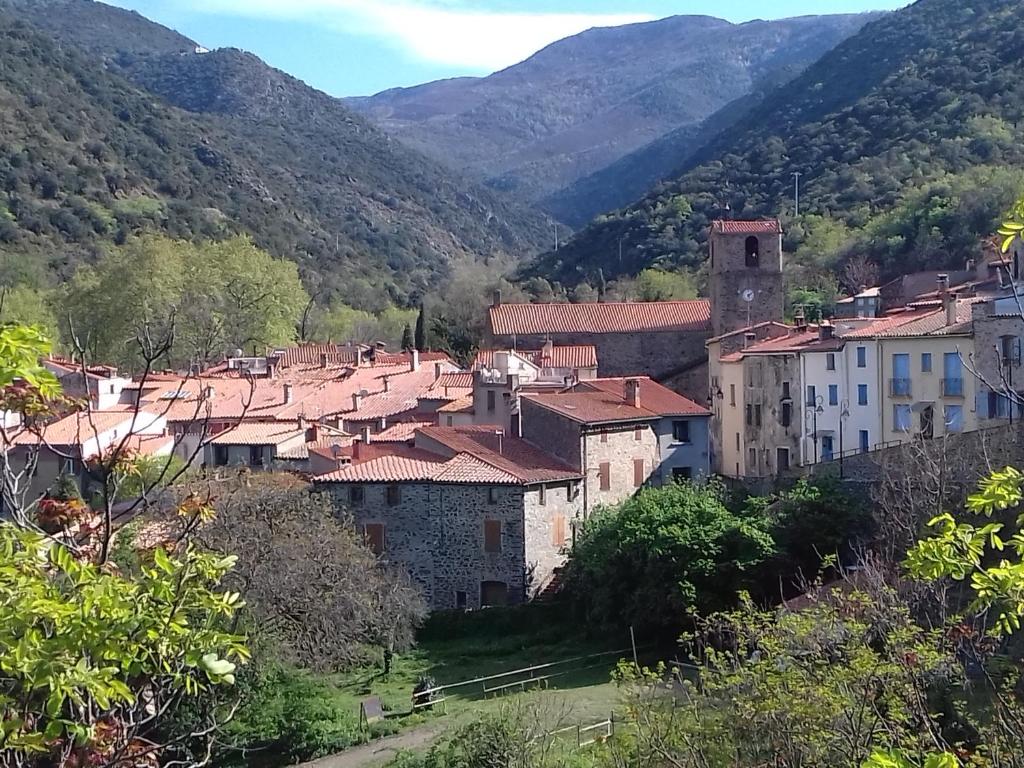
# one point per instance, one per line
(115, 124)
(583, 102)
(900, 134)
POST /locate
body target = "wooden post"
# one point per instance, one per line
(632, 641)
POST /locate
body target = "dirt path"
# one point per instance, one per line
(379, 752)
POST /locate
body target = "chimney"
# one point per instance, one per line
(323, 360)
(749, 338)
(632, 392)
(302, 422)
(499, 433)
(364, 434)
(549, 348)
(357, 400)
(382, 424)
(826, 331)
(312, 432)
(800, 319)
(414, 363)
(209, 393)
(496, 298)
(387, 383)
(949, 304)
(437, 371)
(288, 394)
(942, 283)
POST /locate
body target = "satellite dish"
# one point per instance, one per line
(748, 295)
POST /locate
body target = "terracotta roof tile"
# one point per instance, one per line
(625, 317)
(258, 433)
(653, 396)
(450, 386)
(561, 356)
(518, 458)
(462, 405)
(77, 428)
(755, 227)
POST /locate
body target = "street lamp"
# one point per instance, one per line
(812, 411)
(844, 414)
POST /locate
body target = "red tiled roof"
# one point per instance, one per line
(653, 396)
(451, 385)
(601, 401)
(624, 317)
(567, 356)
(509, 454)
(258, 433)
(388, 469)
(78, 428)
(401, 432)
(920, 322)
(462, 405)
(756, 227)
(312, 354)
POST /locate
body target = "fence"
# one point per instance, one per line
(588, 734)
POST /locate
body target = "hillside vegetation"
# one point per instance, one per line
(901, 134)
(585, 101)
(223, 144)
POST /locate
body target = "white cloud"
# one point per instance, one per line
(451, 33)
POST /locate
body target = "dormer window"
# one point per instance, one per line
(753, 252)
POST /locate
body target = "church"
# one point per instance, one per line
(666, 340)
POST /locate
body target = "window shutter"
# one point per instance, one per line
(492, 536)
(558, 531)
(604, 472)
(373, 533)
(638, 472)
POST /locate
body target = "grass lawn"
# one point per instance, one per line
(454, 649)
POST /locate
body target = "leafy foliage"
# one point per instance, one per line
(85, 651)
(660, 555)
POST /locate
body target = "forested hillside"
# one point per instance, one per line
(88, 158)
(901, 134)
(581, 103)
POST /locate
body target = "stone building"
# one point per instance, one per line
(664, 340)
(477, 517)
(620, 434)
(745, 284)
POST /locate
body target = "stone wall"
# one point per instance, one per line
(551, 432)
(730, 276)
(994, 373)
(618, 448)
(436, 531)
(765, 378)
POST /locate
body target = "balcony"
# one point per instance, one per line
(899, 387)
(953, 387)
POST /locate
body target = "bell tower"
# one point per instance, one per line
(746, 274)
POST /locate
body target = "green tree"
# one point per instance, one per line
(27, 306)
(658, 285)
(660, 555)
(407, 340)
(421, 328)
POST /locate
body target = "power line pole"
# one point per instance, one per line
(796, 193)
(554, 229)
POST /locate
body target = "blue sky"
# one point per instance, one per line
(357, 47)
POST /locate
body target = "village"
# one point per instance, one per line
(476, 480)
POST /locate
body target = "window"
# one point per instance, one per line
(753, 252)
(782, 458)
(926, 362)
(542, 495)
(750, 414)
(490, 400)
(927, 425)
(752, 459)
(900, 384)
(785, 391)
(393, 495)
(682, 474)
(356, 495)
(757, 415)
(373, 534)
(492, 536)
(450, 421)
(493, 593)
(220, 455)
(862, 394)
(862, 357)
(461, 600)
(1009, 350)
(901, 418)
(638, 434)
(787, 414)
(830, 361)
(638, 472)
(604, 435)
(864, 441)
(255, 455)
(732, 394)
(681, 431)
(953, 416)
(737, 441)
(604, 474)
(833, 394)
(827, 448)
(492, 495)
(558, 536)
(812, 395)
(952, 375)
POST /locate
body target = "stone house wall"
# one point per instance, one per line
(618, 448)
(764, 382)
(551, 432)
(996, 374)
(730, 276)
(436, 531)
